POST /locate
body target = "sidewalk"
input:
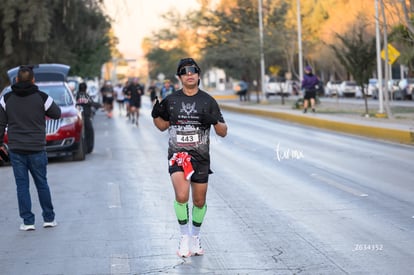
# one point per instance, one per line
(343, 115)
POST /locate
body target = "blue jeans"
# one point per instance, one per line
(36, 163)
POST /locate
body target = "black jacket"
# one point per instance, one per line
(84, 100)
(23, 111)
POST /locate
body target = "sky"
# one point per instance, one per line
(136, 19)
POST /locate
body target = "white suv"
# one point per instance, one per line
(348, 88)
(406, 86)
(332, 87)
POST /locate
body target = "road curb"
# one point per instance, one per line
(225, 97)
(394, 135)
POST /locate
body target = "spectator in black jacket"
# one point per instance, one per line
(23, 111)
(85, 101)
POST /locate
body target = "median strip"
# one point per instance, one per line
(377, 132)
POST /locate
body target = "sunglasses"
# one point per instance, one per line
(188, 69)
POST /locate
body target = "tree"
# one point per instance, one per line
(232, 44)
(167, 46)
(357, 53)
(74, 32)
(164, 62)
(90, 40)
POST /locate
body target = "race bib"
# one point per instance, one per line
(187, 138)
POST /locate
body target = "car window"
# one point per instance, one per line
(350, 83)
(43, 72)
(276, 79)
(59, 93)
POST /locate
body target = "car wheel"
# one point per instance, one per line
(80, 154)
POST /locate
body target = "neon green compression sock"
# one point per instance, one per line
(181, 211)
(199, 214)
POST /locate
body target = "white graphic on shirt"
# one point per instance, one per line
(188, 108)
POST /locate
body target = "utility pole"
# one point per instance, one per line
(300, 57)
(388, 65)
(262, 62)
(379, 67)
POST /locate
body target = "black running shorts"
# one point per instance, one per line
(310, 94)
(201, 171)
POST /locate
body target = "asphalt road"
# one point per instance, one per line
(283, 199)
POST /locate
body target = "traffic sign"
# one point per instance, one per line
(393, 54)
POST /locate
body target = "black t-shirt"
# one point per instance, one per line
(186, 133)
(135, 91)
(107, 91)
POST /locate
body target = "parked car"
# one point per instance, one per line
(277, 85)
(332, 87)
(406, 86)
(395, 92)
(64, 136)
(372, 88)
(394, 89)
(348, 88)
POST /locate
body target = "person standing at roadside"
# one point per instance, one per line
(85, 101)
(189, 114)
(310, 84)
(23, 111)
(166, 89)
(134, 92)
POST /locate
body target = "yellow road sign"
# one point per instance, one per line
(393, 54)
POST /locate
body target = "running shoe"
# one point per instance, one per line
(49, 224)
(196, 248)
(183, 247)
(27, 227)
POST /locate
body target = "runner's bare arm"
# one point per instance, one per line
(221, 129)
(161, 124)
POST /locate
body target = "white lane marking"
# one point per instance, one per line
(120, 264)
(340, 186)
(114, 195)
